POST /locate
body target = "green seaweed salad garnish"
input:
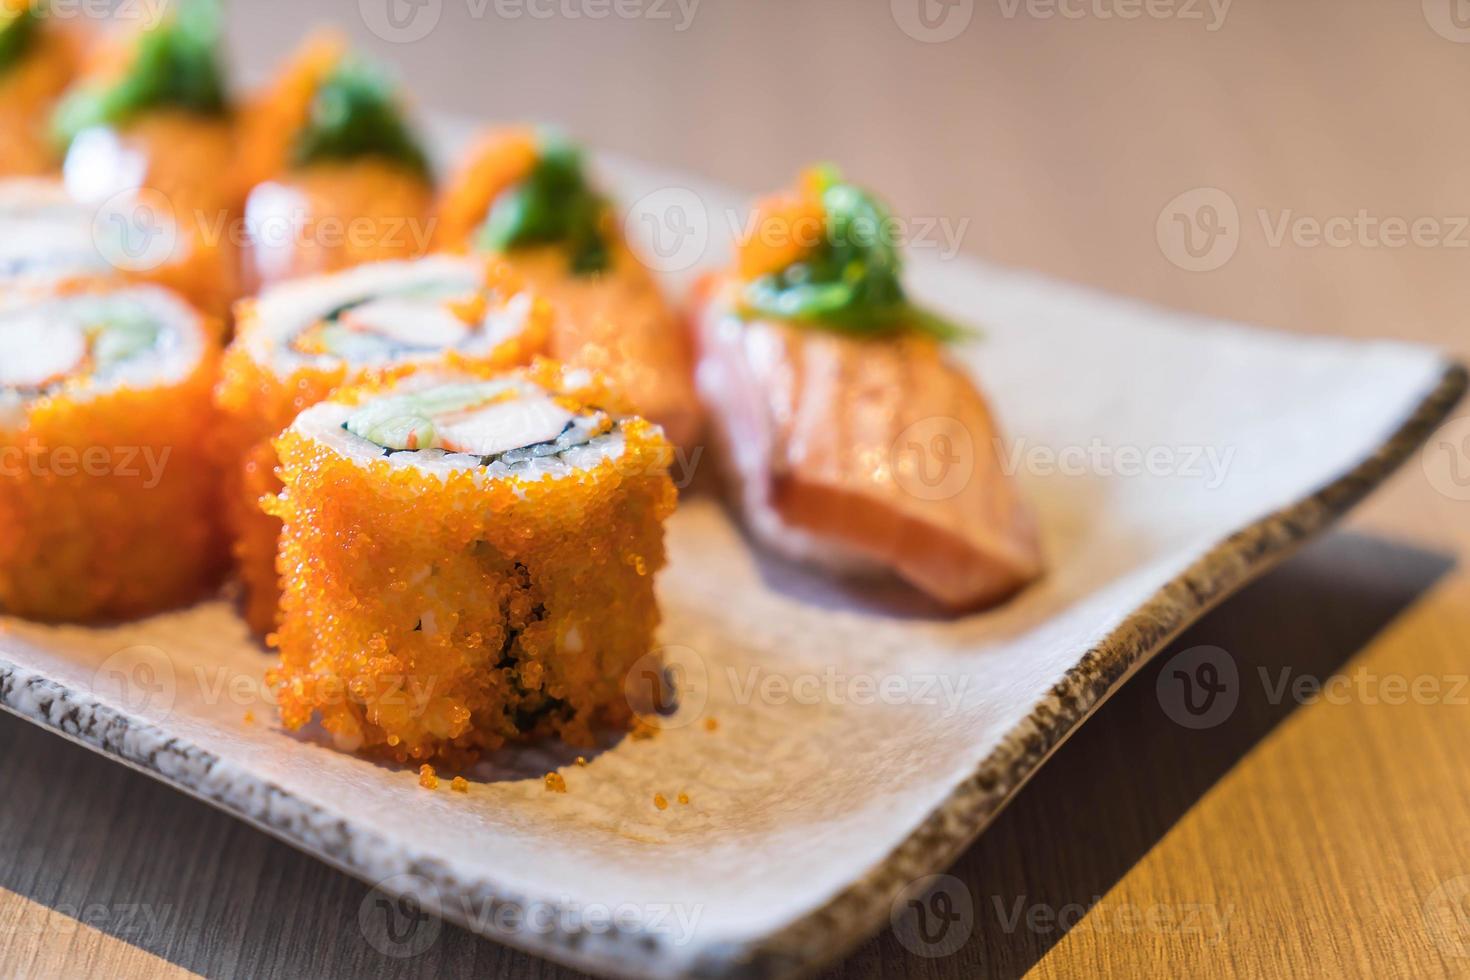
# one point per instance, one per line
(850, 280)
(355, 113)
(176, 64)
(18, 29)
(553, 205)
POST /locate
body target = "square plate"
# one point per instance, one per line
(861, 740)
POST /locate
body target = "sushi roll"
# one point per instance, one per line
(148, 131)
(300, 340)
(489, 545)
(38, 58)
(524, 194)
(107, 499)
(334, 175)
(851, 440)
(47, 237)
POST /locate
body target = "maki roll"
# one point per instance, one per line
(486, 544)
(334, 176)
(38, 58)
(48, 239)
(148, 131)
(524, 194)
(107, 499)
(300, 340)
(851, 439)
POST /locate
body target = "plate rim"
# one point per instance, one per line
(830, 931)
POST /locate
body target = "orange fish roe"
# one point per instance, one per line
(428, 779)
(616, 322)
(710, 724)
(582, 760)
(28, 90)
(684, 798)
(385, 205)
(273, 119)
(660, 801)
(501, 159)
(644, 728)
(619, 324)
(454, 611)
(459, 784)
(786, 228)
(555, 783)
(257, 402)
(137, 535)
(249, 718)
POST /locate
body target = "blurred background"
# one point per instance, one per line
(1060, 129)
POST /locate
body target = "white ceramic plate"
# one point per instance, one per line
(862, 741)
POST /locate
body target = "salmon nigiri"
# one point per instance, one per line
(851, 439)
(525, 194)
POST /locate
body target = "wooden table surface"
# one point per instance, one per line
(1316, 839)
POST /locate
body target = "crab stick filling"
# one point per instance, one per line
(485, 419)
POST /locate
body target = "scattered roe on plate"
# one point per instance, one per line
(459, 784)
(660, 801)
(710, 724)
(555, 783)
(427, 777)
(684, 798)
